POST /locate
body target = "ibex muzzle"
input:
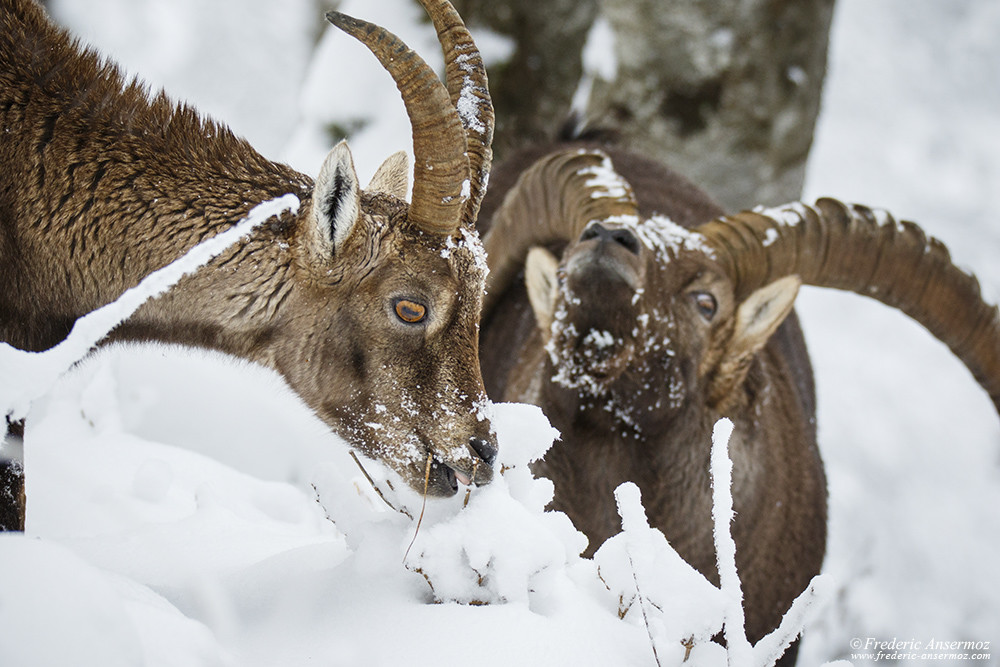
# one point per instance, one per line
(367, 305)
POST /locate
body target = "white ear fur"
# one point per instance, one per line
(756, 319)
(336, 197)
(392, 177)
(540, 279)
(762, 312)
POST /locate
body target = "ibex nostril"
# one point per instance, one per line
(622, 237)
(486, 451)
(594, 230)
(626, 239)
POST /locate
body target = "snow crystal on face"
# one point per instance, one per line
(474, 245)
(599, 339)
(471, 243)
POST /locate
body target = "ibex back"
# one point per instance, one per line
(368, 307)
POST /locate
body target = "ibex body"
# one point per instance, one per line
(640, 321)
(368, 306)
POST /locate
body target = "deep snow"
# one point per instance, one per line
(186, 509)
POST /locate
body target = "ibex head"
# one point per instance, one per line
(392, 364)
(655, 317)
(367, 305)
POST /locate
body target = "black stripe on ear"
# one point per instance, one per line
(336, 198)
(333, 203)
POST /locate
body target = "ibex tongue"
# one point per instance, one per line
(462, 478)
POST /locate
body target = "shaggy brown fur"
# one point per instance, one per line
(636, 332)
(102, 183)
(629, 431)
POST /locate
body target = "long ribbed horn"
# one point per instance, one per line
(552, 201)
(465, 78)
(440, 164)
(854, 248)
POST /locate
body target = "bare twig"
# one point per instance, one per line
(378, 490)
(423, 506)
(319, 501)
(468, 491)
(642, 607)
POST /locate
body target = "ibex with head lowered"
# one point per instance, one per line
(643, 317)
(368, 307)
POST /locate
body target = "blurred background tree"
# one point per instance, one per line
(725, 92)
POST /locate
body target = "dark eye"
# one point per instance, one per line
(705, 303)
(410, 312)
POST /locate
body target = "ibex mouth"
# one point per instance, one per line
(591, 363)
(448, 478)
(476, 470)
(459, 477)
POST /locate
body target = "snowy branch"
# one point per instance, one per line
(725, 547)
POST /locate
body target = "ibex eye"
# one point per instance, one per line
(705, 303)
(410, 312)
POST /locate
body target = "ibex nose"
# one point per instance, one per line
(622, 237)
(486, 451)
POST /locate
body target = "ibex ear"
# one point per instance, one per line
(393, 177)
(756, 319)
(336, 198)
(540, 278)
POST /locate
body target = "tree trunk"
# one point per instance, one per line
(533, 89)
(725, 92)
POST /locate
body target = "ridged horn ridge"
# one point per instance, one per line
(552, 201)
(440, 164)
(465, 79)
(855, 248)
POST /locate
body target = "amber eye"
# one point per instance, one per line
(705, 303)
(410, 312)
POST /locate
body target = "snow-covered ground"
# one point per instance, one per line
(188, 510)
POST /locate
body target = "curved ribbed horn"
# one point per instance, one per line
(440, 164)
(552, 201)
(465, 78)
(853, 248)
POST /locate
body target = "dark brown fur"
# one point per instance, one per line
(779, 484)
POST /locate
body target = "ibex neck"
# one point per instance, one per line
(103, 183)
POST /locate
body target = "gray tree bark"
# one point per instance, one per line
(532, 91)
(725, 91)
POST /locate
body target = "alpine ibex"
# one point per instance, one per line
(642, 316)
(368, 307)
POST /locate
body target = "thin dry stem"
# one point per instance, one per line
(688, 644)
(319, 501)
(468, 491)
(374, 486)
(423, 505)
(642, 608)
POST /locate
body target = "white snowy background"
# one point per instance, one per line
(187, 510)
